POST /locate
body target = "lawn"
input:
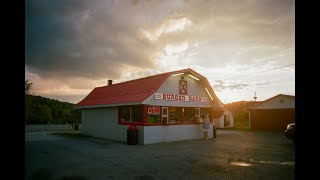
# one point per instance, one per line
(239, 126)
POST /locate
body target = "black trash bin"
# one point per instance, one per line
(214, 130)
(132, 133)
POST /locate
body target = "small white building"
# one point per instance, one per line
(225, 120)
(164, 107)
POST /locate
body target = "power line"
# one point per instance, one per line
(259, 72)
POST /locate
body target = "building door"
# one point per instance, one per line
(226, 118)
(164, 111)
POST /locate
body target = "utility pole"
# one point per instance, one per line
(255, 97)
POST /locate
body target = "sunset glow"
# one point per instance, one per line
(241, 47)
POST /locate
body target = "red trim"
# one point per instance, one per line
(158, 124)
(155, 124)
(128, 123)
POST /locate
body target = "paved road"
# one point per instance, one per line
(232, 155)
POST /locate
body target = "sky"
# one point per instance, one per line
(242, 47)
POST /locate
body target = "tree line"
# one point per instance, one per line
(236, 108)
(41, 110)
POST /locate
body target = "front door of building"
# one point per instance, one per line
(164, 111)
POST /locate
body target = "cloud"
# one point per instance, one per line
(80, 44)
(82, 40)
(220, 85)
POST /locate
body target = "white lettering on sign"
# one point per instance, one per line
(180, 97)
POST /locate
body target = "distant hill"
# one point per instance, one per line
(41, 110)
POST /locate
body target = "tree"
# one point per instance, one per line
(27, 86)
(41, 115)
(27, 108)
(28, 101)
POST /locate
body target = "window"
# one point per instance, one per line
(197, 114)
(205, 111)
(153, 114)
(136, 113)
(189, 114)
(175, 114)
(183, 87)
(131, 113)
(125, 113)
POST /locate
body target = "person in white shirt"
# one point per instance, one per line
(205, 126)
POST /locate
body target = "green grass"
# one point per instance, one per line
(239, 126)
(242, 125)
(72, 135)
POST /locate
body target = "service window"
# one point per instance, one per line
(136, 113)
(189, 114)
(131, 113)
(204, 111)
(175, 115)
(197, 115)
(124, 113)
(153, 114)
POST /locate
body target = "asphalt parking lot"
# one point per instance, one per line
(232, 155)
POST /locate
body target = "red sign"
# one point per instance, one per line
(153, 111)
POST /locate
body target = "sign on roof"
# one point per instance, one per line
(179, 97)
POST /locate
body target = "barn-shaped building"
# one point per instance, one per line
(164, 107)
(273, 114)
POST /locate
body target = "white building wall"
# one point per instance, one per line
(171, 85)
(103, 122)
(219, 122)
(156, 134)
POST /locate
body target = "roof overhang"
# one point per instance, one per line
(108, 105)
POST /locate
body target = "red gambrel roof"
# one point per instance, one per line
(134, 91)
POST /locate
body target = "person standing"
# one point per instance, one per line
(205, 126)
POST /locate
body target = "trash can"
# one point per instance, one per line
(214, 130)
(132, 135)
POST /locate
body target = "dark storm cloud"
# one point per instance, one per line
(99, 38)
(78, 38)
